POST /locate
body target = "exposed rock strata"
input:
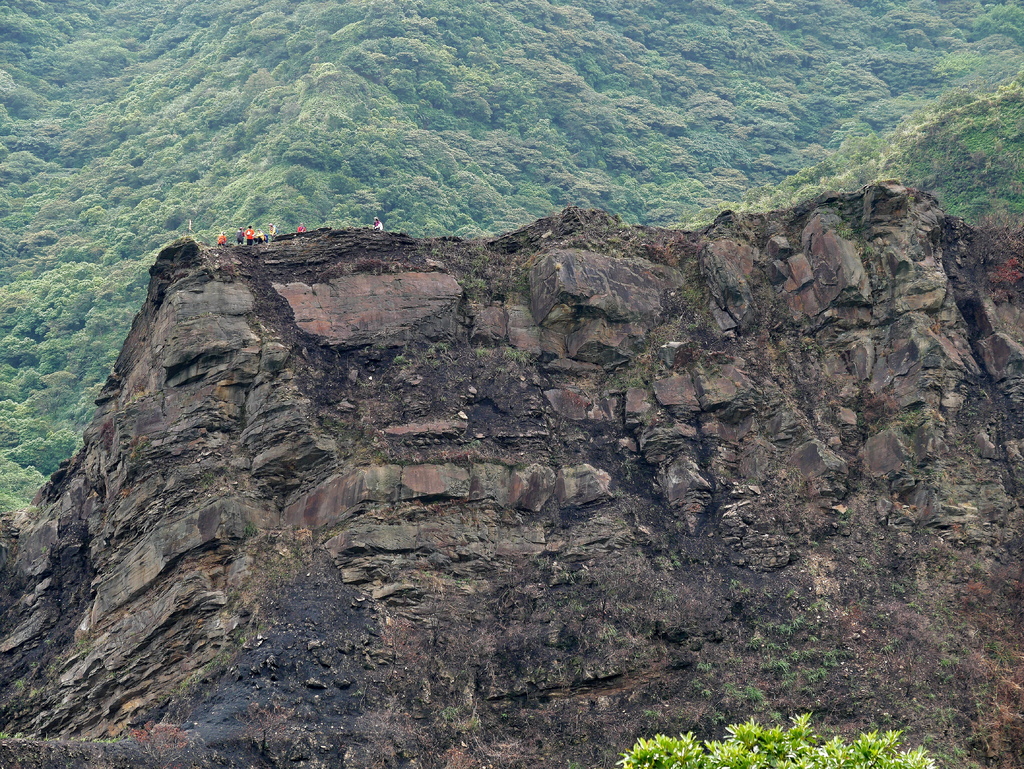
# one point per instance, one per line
(320, 468)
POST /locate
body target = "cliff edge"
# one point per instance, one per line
(356, 499)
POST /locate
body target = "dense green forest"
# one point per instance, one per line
(967, 148)
(123, 123)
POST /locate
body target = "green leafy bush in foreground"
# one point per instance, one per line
(752, 746)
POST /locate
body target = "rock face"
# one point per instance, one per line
(334, 485)
(596, 309)
(355, 310)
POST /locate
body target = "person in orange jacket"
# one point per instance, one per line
(250, 235)
(222, 239)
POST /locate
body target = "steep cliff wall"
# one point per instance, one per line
(357, 499)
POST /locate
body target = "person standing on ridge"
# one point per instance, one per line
(378, 225)
(240, 236)
(250, 235)
(271, 232)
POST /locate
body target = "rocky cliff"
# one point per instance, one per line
(355, 499)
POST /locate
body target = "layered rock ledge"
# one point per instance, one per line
(363, 481)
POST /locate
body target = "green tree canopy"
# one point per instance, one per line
(1005, 19)
(752, 746)
(966, 147)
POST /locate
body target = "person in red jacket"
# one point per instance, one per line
(301, 228)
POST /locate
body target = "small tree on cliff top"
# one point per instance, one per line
(752, 746)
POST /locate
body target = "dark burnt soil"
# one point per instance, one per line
(297, 684)
(982, 263)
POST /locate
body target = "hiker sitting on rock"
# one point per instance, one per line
(378, 225)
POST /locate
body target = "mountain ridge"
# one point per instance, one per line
(127, 124)
(540, 495)
(962, 148)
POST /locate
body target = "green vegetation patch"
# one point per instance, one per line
(966, 148)
(751, 746)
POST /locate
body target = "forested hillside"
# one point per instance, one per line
(967, 148)
(125, 123)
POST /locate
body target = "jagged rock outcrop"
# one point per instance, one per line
(328, 484)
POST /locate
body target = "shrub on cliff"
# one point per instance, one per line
(752, 746)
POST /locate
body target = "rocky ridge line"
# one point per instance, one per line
(816, 401)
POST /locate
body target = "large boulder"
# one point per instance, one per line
(885, 453)
(354, 310)
(532, 487)
(597, 308)
(727, 265)
(1002, 355)
(582, 484)
(683, 483)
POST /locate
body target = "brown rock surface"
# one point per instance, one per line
(355, 310)
(884, 453)
(598, 308)
(728, 266)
